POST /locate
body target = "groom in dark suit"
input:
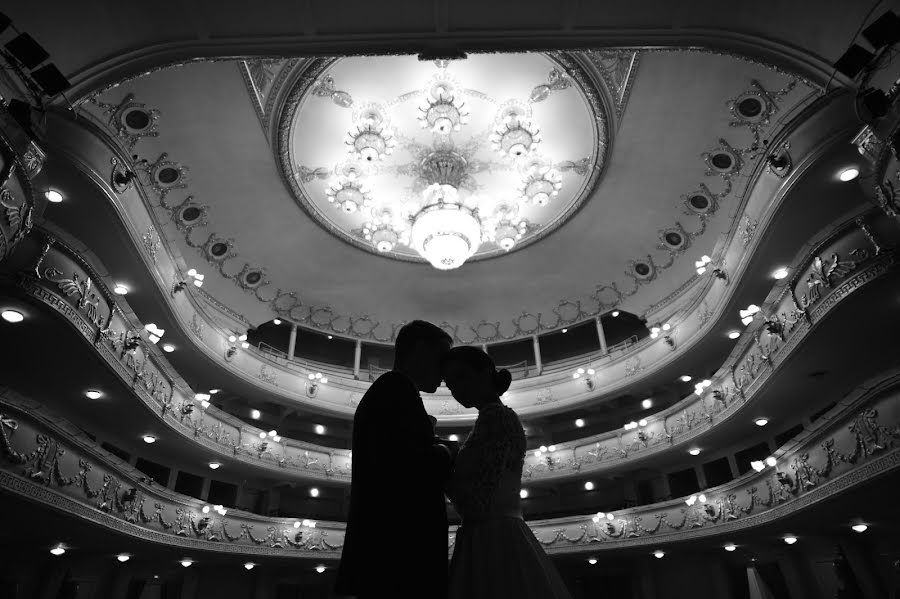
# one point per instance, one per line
(399, 468)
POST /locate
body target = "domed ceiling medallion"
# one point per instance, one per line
(444, 162)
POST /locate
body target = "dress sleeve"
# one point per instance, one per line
(497, 443)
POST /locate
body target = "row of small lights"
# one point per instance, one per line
(60, 549)
(789, 539)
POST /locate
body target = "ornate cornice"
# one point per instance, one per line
(48, 461)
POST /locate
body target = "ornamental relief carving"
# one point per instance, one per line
(60, 279)
(37, 462)
(752, 110)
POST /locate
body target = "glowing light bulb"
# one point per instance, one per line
(186, 563)
(58, 550)
(249, 565)
(579, 423)
(123, 557)
(658, 554)
(730, 547)
(860, 528)
(523, 493)
(93, 394)
(790, 540)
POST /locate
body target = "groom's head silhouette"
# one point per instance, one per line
(418, 351)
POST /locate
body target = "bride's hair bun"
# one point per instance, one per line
(502, 381)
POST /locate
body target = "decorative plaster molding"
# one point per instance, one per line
(68, 284)
(45, 460)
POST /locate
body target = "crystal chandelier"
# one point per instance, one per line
(446, 231)
(444, 221)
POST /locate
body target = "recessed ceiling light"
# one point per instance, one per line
(647, 404)
(314, 492)
(734, 334)
(320, 568)
(615, 314)
(276, 321)
(120, 289)
(523, 493)
(93, 394)
(53, 196)
(58, 550)
(255, 414)
(730, 547)
(694, 451)
(214, 465)
(12, 316)
(779, 273)
(565, 330)
(168, 348)
(320, 430)
(860, 527)
(849, 174)
(579, 422)
(592, 560)
(588, 486)
(249, 565)
(761, 421)
(186, 563)
(123, 557)
(658, 554)
(790, 540)
(149, 439)
(685, 378)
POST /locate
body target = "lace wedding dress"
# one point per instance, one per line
(495, 554)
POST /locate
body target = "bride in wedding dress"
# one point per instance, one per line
(495, 554)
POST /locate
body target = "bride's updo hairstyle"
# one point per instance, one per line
(478, 360)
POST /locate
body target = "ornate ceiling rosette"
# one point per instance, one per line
(443, 161)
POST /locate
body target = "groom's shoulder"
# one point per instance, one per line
(391, 383)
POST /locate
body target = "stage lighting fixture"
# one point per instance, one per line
(51, 80)
(27, 51)
(853, 61)
(884, 31)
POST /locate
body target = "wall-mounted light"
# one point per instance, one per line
(120, 289)
(203, 398)
(586, 374)
(451, 437)
(149, 439)
(702, 264)
(598, 517)
(685, 378)
(615, 314)
(276, 321)
(770, 461)
(859, 528)
(694, 451)
(168, 348)
(734, 334)
(154, 333)
(758, 465)
(790, 539)
(780, 273)
(647, 403)
(313, 492)
(58, 550)
(658, 554)
(588, 486)
(592, 560)
(552, 448)
(700, 387)
(255, 414)
(53, 196)
(748, 313)
(579, 422)
(93, 394)
(730, 547)
(214, 465)
(249, 566)
(523, 493)
(320, 568)
(761, 421)
(198, 278)
(123, 557)
(320, 430)
(187, 563)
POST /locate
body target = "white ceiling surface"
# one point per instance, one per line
(677, 110)
(564, 118)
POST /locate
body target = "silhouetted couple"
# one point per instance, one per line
(396, 543)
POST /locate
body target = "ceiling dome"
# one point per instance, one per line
(443, 161)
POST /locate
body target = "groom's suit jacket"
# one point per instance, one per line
(397, 483)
